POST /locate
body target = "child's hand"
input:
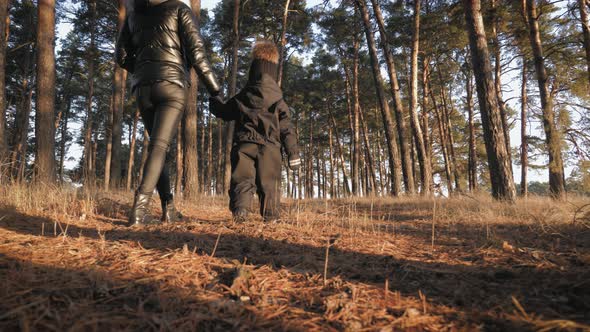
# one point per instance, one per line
(215, 105)
(294, 163)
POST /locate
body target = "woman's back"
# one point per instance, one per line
(160, 41)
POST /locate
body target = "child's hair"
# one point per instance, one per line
(265, 50)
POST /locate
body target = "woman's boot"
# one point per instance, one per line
(169, 212)
(139, 212)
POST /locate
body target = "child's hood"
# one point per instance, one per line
(262, 93)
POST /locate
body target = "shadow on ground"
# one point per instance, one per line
(473, 288)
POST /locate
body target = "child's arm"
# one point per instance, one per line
(227, 111)
(288, 134)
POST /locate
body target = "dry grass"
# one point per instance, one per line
(466, 263)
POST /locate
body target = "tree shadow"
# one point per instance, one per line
(88, 299)
(474, 287)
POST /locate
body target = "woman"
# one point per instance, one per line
(159, 43)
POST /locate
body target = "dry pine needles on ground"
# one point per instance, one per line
(365, 264)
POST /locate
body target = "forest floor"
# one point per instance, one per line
(67, 262)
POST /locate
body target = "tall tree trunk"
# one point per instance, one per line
(45, 105)
(309, 192)
(179, 159)
(209, 181)
(19, 154)
(424, 116)
(405, 150)
(131, 161)
(447, 111)
(423, 160)
(88, 172)
(355, 115)
(524, 156)
(120, 76)
(498, 159)
(4, 28)
(498, 75)
(472, 167)
(369, 157)
(331, 150)
(109, 146)
(229, 133)
(190, 140)
(283, 44)
(583, 4)
(443, 144)
(64, 137)
(552, 135)
(340, 153)
(220, 174)
(349, 106)
(394, 156)
(202, 146)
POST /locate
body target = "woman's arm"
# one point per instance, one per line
(124, 51)
(195, 48)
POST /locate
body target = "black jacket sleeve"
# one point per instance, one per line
(124, 51)
(288, 133)
(195, 49)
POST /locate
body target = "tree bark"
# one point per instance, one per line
(120, 76)
(109, 146)
(340, 153)
(394, 156)
(498, 75)
(424, 115)
(447, 111)
(64, 136)
(406, 160)
(45, 112)
(19, 153)
(229, 133)
(355, 116)
(498, 158)
(4, 28)
(583, 4)
(472, 143)
(23, 109)
(190, 140)
(552, 135)
(179, 159)
(88, 171)
(283, 44)
(331, 150)
(423, 160)
(209, 180)
(371, 164)
(443, 145)
(524, 156)
(220, 174)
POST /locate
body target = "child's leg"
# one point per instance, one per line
(268, 176)
(243, 176)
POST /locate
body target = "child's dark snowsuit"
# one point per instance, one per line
(263, 123)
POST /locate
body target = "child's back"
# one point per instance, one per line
(263, 124)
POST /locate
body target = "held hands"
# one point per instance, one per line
(294, 162)
(216, 104)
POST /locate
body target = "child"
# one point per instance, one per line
(263, 123)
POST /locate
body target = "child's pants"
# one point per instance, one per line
(256, 167)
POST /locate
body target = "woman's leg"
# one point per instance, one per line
(169, 101)
(147, 111)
